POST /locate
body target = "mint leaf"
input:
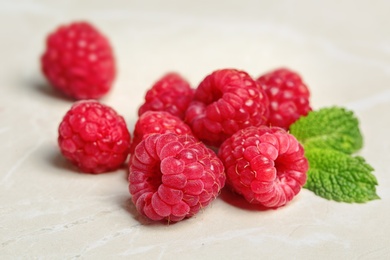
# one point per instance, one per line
(333, 127)
(337, 176)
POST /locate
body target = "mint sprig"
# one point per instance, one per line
(330, 136)
(334, 127)
(338, 176)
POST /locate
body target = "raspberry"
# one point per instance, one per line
(288, 96)
(172, 177)
(157, 122)
(79, 61)
(171, 93)
(226, 101)
(265, 165)
(93, 137)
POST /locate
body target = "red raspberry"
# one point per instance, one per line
(171, 93)
(226, 101)
(172, 177)
(157, 122)
(79, 61)
(265, 165)
(94, 137)
(288, 96)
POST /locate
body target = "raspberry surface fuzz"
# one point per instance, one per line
(157, 122)
(172, 177)
(226, 101)
(79, 61)
(94, 137)
(265, 165)
(288, 96)
(172, 93)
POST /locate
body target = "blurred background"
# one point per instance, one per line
(323, 40)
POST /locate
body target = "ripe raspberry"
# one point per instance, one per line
(226, 101)
(94, 137)
(265, 165)
(157, 122)
(171, 93)
(172, 177)
(288, 96)
(79, 61)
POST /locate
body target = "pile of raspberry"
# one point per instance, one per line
(188, 143)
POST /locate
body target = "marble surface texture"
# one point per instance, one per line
(50, 211)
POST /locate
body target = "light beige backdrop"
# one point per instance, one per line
(48, 211)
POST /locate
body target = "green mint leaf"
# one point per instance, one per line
(333, 127)
(337, 176)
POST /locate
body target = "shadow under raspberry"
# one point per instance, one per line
(58, 161)
(238, 201)
(45, 89)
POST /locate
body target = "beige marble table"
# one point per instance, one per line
(49, 211)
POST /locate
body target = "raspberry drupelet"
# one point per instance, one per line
(172, 177)
(157, 122)
(172, 93)
(265, 165)
(94, 137)
(79, 61)
(288, 96)
(226, 101)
